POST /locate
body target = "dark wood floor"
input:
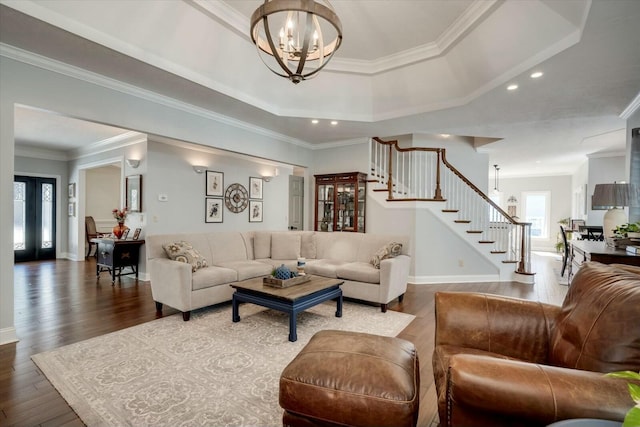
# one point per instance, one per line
(59, 303)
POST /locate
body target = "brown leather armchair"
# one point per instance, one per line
(502, 361)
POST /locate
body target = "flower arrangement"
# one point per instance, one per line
(120, 214)
(633, 416)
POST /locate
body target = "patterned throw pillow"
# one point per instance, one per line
(183, 251)
(390, 250)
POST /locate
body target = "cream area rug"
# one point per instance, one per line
(208, 371)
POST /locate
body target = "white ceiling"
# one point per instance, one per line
(404, 67)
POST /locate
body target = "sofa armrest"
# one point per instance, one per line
(394, 273)
(171, 283)
(512, 327)
(482, 387)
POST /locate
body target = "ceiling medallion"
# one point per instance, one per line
(296, 38)
(236, 198)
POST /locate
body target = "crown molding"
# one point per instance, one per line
(40, 153)
(49, 64)
(344, 143)
(477, 11)
(604, 154)
(631, 108)
(108, 144)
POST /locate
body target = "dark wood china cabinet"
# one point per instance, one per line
(340, 202)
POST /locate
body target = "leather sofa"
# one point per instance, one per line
(502, 361)
(236, 256)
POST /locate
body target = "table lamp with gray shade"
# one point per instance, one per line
(614, 198)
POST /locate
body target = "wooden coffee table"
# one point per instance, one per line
(290, 300)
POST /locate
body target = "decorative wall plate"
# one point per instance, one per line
(236, 198)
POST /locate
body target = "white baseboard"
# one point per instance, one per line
(429, 280)
(8, 335)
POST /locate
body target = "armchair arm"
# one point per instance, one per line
(394, 273)
(508, 326)
(171, 283)
(482, 387)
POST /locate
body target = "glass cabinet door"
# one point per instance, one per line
(346, 207)
(325, 207)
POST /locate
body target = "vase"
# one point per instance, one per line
(119, 230)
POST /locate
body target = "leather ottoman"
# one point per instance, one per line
(352, 379)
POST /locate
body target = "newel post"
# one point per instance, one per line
(438, 194)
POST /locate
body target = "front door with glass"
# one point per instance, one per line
(34, 218)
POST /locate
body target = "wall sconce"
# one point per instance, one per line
(266, 178)
(133, 163)
(199, 169)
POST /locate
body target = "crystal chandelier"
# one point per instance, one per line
(296, 38)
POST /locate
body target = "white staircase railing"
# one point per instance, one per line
(424, 174)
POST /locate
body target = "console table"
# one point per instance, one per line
(114, 255)
(582, 251)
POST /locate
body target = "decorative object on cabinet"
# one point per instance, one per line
(71, 190)
(136, 233)
(255, 188)
(340, 202)
(215, 183)
(213, 210)
(134, 193)
(236, 198)
(255, 211)
(125, 234)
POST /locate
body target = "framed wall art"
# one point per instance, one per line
(215, 184)
(213, 209)
(255, 211)
(255, 188)
(136, 234)
(134, 193)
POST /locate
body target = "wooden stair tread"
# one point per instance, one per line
(462, 221)
(380, 189)
(498, 252)
(450, 210)
(486, 241)
(474, 231)
(509, 262)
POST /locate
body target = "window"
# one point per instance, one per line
(537, 211)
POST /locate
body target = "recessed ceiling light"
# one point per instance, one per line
(315, 121)
(445, 135)
(512, 87)
(536, 74)
(333, 122)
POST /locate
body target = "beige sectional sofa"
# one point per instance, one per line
(237, 256)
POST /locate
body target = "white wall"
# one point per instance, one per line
(561, 202)
(171, 173)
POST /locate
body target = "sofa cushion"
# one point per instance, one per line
(285, 246)
(227, 246)
(247, 269)
(308, 245)
(390, 250)
(184, 252)
(262, 245)
(213, 276)
(359, 272)
(323, 267)
(598, 328)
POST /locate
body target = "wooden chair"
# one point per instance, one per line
(91, 232)
(565, 254)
